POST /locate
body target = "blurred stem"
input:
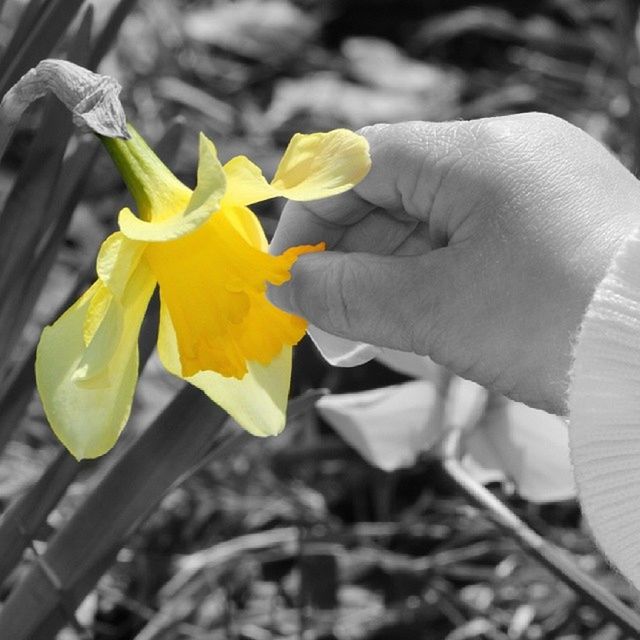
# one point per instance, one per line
(548, 554)
(104, 41)
(629, 70)
(384, 486)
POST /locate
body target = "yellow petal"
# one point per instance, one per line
(320, 165)
(257, 402)
(117, 258)
(101, 333)
(205, 201)
(247, 224)
(99, 305)
(245, 182)
(87, 390)
(313, 166)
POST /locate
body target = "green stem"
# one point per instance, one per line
(153, 187)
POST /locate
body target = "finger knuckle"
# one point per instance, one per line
(525, 131)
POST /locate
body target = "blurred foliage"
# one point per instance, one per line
(298, 536)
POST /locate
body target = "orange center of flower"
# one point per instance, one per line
(213, 282)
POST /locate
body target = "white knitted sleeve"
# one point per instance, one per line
(604, 411)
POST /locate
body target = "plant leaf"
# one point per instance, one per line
(27, 22)
(34, 40)
(23, 518)
(109, 32)
(29, 243)
(190, 430)
(30, 196)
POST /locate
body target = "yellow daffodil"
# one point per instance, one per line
(208, 254)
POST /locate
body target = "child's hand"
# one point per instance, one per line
(477, 243)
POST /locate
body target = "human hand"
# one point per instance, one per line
(478, 243)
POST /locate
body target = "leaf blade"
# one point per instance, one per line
(36, 40)
(80, 552)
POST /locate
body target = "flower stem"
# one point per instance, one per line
(154, 188)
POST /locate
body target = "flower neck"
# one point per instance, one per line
(156, 191)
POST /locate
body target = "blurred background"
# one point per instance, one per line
(313, 535)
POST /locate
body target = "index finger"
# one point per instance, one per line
(317, 221)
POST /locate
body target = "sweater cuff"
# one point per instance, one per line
(604, 411)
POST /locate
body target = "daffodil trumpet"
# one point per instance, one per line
(208, 255)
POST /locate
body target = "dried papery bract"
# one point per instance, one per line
(92, 98)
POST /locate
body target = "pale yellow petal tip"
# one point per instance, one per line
(85, 452)
(273, 426)
(75, 437)
(320, 165)
(208, 156)
(211, 180)
(206, 145)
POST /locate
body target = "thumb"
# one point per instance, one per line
(390, 301)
